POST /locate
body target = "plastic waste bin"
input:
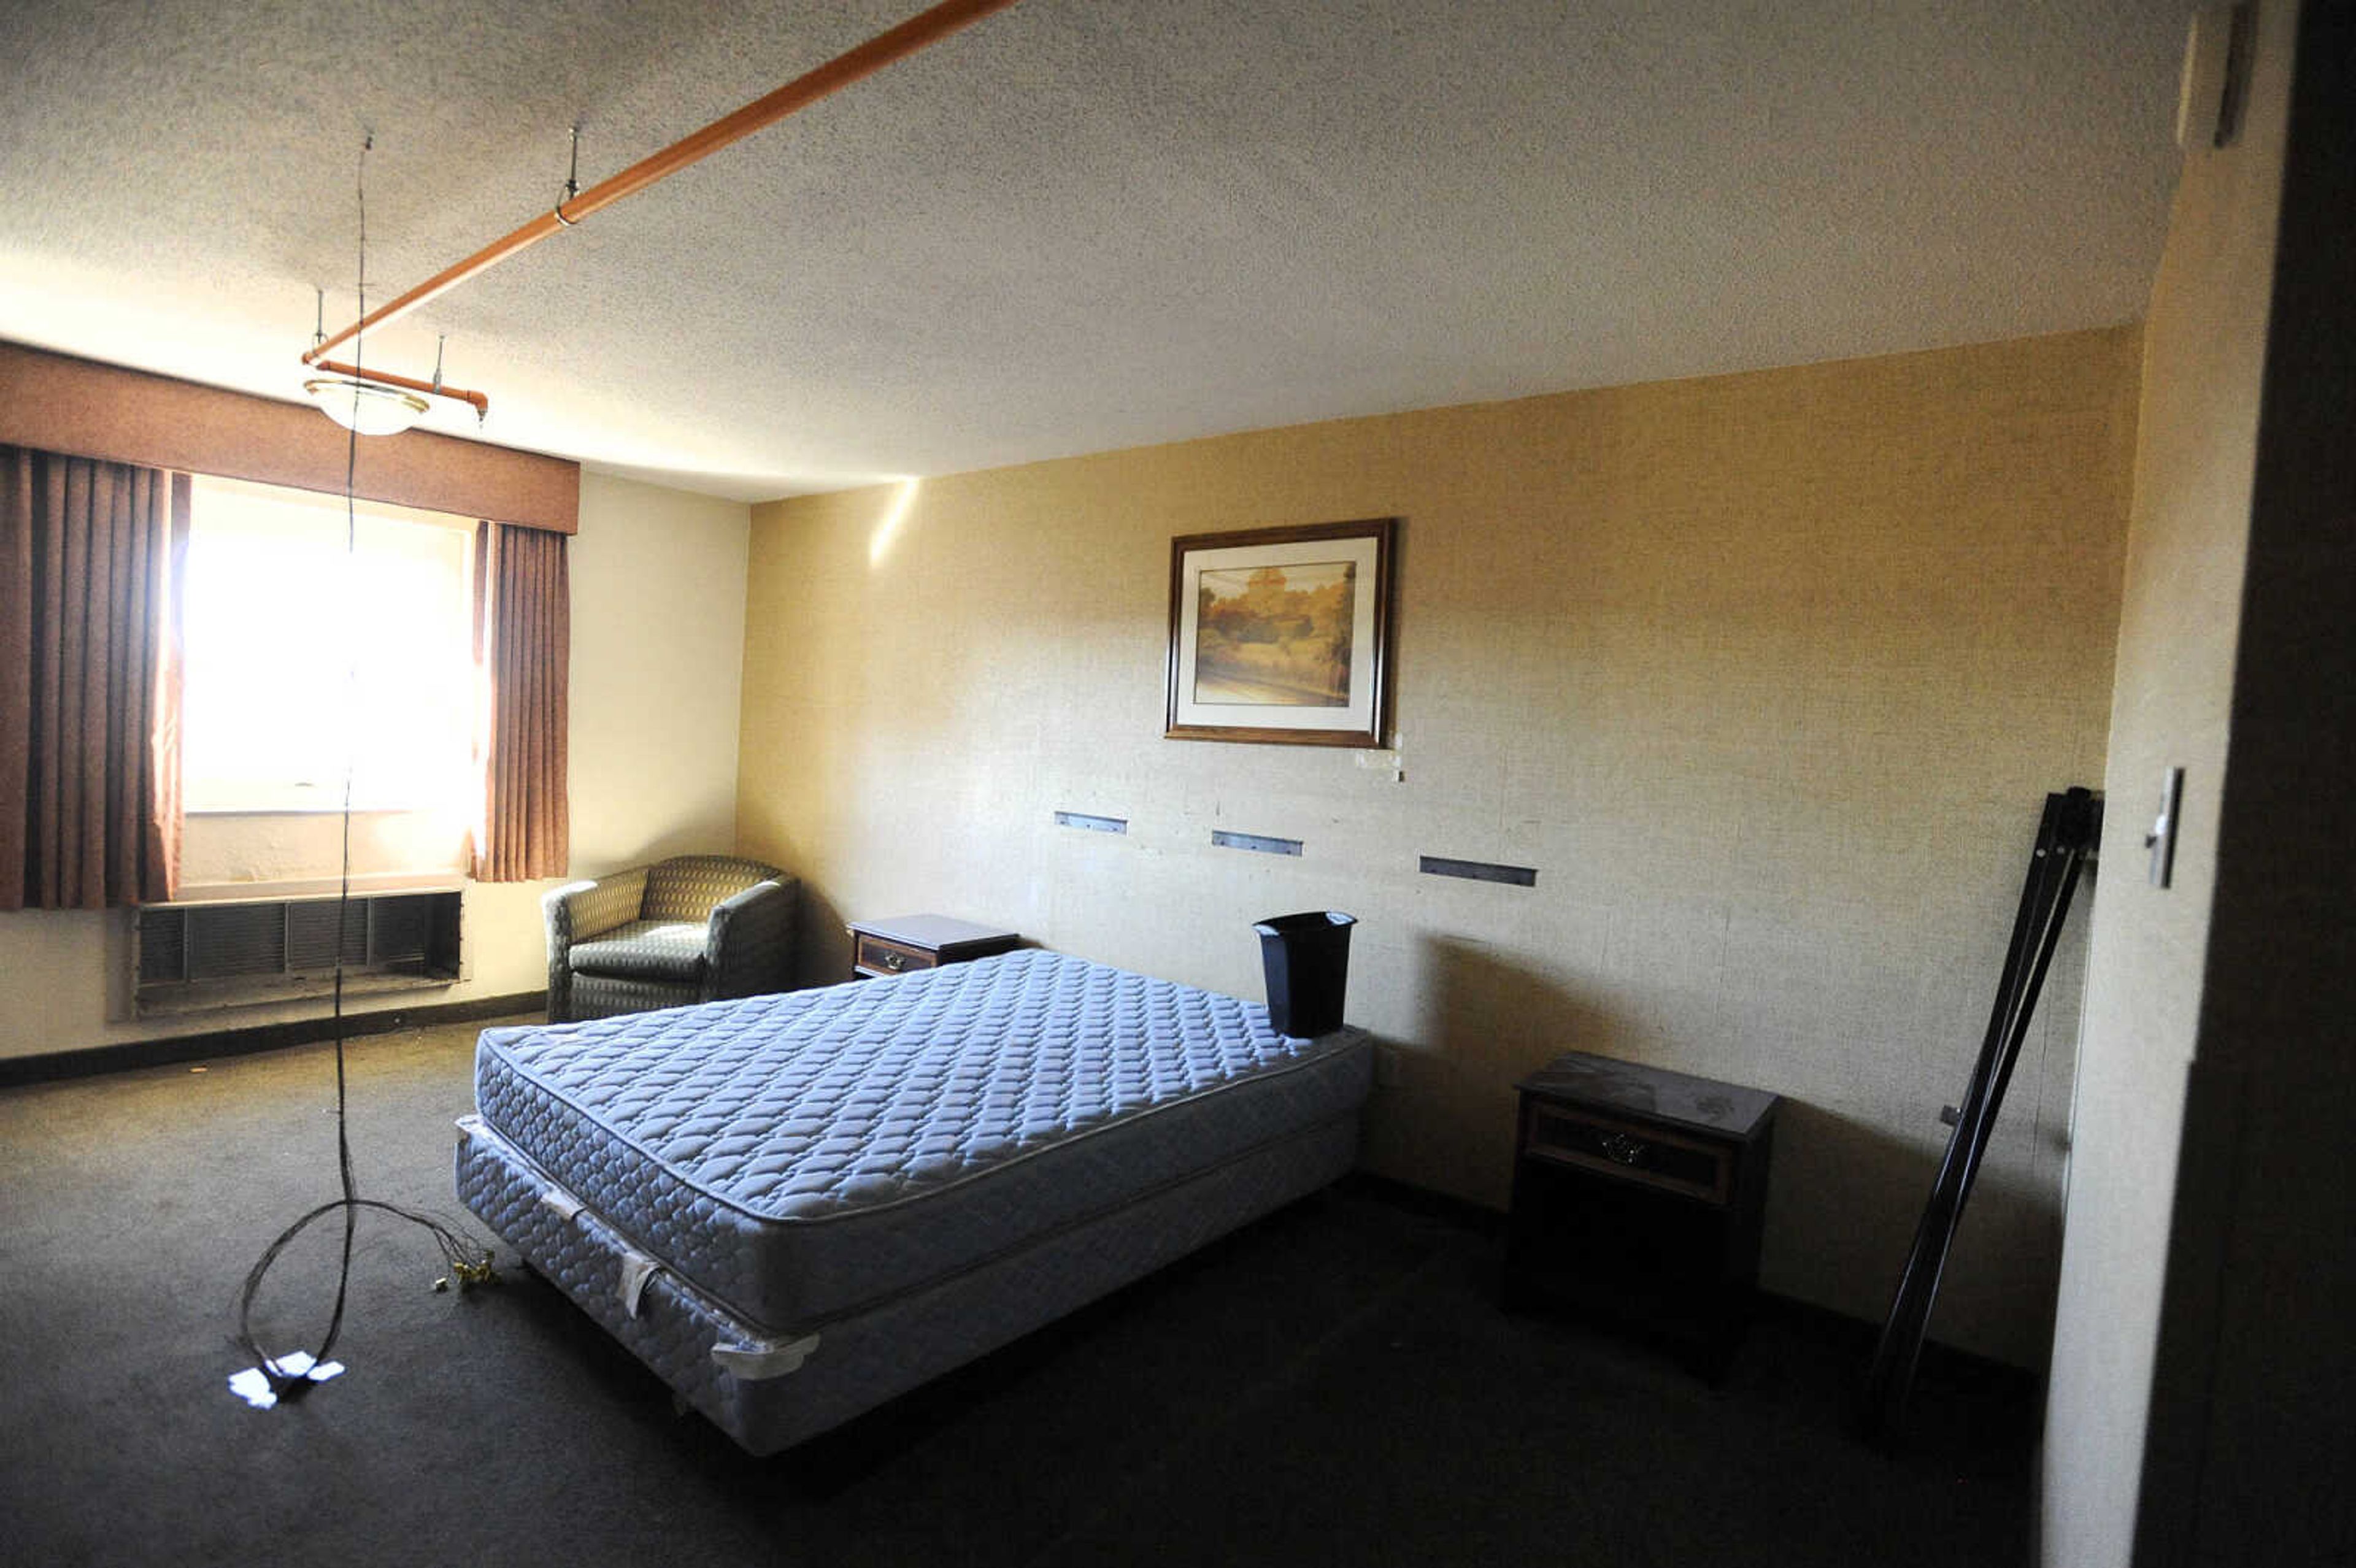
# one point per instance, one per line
(1307, 959)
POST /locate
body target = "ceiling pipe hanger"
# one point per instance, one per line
(918, 32)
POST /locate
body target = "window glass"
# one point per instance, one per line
(314, 647)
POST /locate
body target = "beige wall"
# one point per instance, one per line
(2204, 351)
(658, 653)
(657, 583)
(1767, 675)
(2204, 1375)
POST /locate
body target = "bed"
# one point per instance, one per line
(795, 1207)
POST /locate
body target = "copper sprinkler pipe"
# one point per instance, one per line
(915, 33)
(482, 405)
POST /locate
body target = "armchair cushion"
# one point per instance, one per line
(646, 950)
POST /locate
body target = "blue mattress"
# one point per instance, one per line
(805, 1157)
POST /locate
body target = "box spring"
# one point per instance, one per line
(793, 1207)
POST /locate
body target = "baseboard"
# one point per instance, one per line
(171, 1048)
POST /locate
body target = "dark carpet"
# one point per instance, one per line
(1331, 1386)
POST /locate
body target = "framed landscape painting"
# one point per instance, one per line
(1282, 634)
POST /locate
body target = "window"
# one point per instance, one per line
(309, 652)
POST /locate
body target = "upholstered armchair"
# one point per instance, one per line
(693, 928)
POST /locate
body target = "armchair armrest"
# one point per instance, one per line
(578, 912)
(750, 947)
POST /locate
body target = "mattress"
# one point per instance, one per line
(807, 1157)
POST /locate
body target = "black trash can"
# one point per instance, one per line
(1307, 958)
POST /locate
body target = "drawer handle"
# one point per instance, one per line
(1622, 1149)
(895, 961)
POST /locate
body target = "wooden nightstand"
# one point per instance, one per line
(882, 949)
(1638, 1197)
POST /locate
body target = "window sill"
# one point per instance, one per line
(335, 810)
(444, 881)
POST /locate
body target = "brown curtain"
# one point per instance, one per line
(90, 681)
(524, 644)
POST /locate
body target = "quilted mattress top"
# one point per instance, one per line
(809, 1104)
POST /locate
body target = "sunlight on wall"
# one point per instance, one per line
(902, 498)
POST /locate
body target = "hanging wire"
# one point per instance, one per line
(467, 1259)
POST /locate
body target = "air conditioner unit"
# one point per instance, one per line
(247, 953)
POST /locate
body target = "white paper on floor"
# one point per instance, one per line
(254, 1386)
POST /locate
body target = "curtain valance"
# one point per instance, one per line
(54, 403)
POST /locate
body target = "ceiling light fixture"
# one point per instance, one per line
(370, 402)
(367, 408)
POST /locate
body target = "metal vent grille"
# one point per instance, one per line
(163, 950)
(234, 940)
(402, 929)
(311, 935)
(184, 949)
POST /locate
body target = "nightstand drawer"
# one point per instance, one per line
(905, 943)
(876, 956)
(1632, 1151)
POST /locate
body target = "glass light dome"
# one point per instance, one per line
(370, 408)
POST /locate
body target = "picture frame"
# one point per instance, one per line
(1282, 635)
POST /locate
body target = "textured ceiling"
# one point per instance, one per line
(1082, 224)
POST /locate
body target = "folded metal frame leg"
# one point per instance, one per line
(2067, 835)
